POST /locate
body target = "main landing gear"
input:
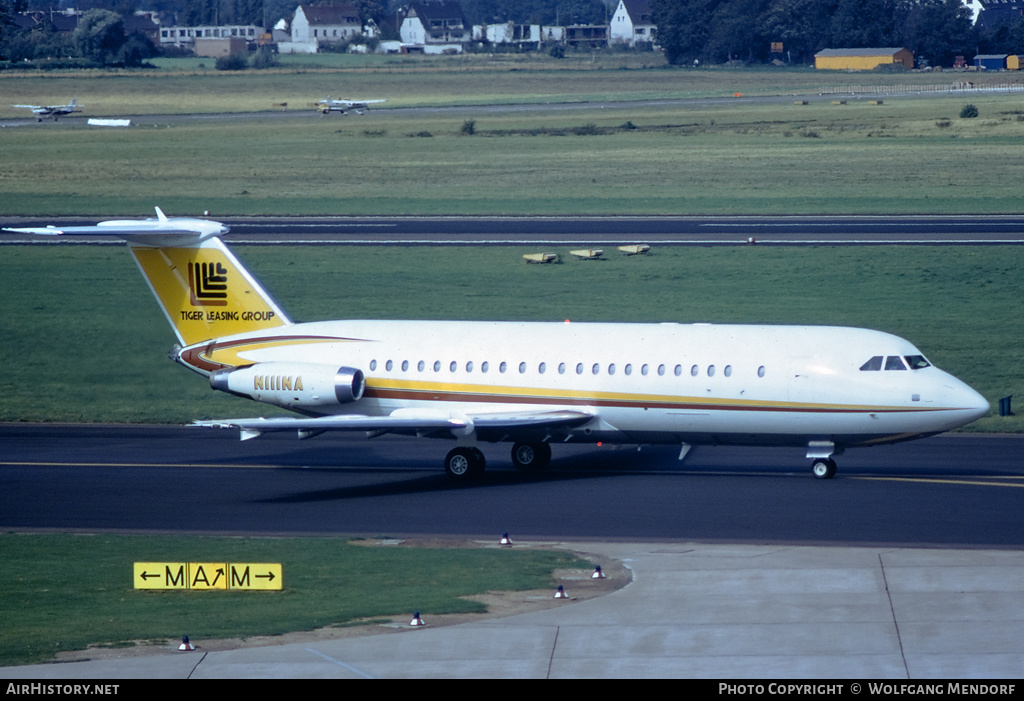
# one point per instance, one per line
(824, 468)
(531, 456)
(466, 463)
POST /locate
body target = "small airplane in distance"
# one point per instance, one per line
(329, 104)
(533, 384)
(55, 111)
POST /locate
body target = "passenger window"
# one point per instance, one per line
(628, 369)
(561, 368)
(542, 367)
(611, 369)
(760, 371)
(437, 366)
(579, 368)
(916, 362)
(596, 369)
(873, 364)
(661, 369)
(694, 370)
(711, 370)
(728, 371)
(420, 366)
(373, 365)
(894, 362)
(469, 366)
(522, 368)
(678, 370)
(388, 365)
(453, 366)
(485, 366)
(502, 367)
(405, 366)
(644, 369)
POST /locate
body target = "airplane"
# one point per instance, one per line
(533, 384)
(55, 111)
(327, 105)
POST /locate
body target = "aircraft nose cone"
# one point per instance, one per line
(974, 404)
(980, 406)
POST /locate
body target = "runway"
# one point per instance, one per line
(955, 490)
(583, 231)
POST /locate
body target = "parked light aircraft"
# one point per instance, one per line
(55, 111)
(330, 105)
(534, 384)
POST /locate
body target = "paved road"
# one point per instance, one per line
(954, 490)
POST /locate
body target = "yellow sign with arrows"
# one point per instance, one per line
(204, 576)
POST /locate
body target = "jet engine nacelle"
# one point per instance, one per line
(292, 384)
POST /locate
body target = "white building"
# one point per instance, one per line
(315, 24)
(632, 23)
(435, 23)
(186, 36)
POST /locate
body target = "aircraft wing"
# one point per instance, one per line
(406, 421)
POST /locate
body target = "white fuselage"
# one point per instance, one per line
(644, 383)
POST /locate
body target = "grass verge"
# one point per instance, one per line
(67, 592)
(623, 148)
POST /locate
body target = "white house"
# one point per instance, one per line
(435, 23)
(632, 23)
(315, 24)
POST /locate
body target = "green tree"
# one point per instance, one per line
(99, 36)
(801, 26)
(9, 9)
(864, 23)
(684, 27)
(737, 31)
(938, 30)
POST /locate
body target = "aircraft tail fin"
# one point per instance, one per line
(205, 292)
(203, 289)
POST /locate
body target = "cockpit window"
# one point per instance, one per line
(894, 362)
(873, 364)
(916, 362)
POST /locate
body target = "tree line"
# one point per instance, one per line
(717, 31)
(689, 31)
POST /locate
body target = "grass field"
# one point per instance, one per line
(93, 346)
(65, 592)
(620, 149)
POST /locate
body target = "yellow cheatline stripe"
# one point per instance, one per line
(231, 355)
(486, 392)
(936, 480)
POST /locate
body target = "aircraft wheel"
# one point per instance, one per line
(531, 456)
(824, 468)
(464, 464)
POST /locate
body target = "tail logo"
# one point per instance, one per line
(208, 284)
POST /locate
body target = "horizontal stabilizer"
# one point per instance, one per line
(162, 231)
